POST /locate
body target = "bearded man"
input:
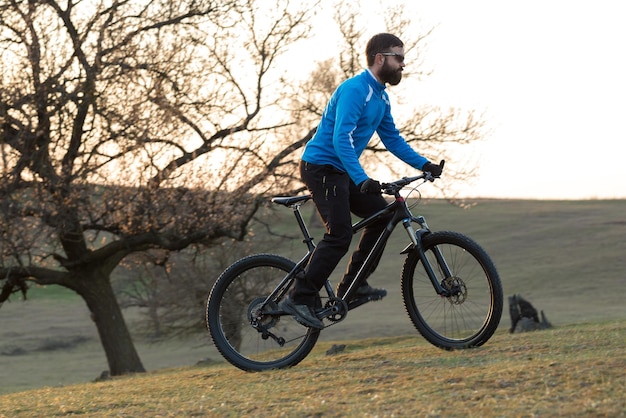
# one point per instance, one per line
(331, 170)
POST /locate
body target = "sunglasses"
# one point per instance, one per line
(399, 57)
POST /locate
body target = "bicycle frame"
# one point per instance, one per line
(247, 325)
(401, 214)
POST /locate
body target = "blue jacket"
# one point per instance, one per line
(358, 108)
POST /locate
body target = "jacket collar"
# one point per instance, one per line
(373, 81)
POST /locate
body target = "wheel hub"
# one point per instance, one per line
(457, 290)
(257, 313)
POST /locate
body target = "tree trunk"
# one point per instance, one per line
(122, 357)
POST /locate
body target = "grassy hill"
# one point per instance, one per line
(566, 257)
(573, 371)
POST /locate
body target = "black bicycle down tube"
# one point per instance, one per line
(399, 214)
(379, 246)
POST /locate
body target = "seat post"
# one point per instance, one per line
(308, 239)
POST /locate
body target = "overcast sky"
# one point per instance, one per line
(552, 78)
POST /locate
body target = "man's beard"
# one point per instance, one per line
(390, 75)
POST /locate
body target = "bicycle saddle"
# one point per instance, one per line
(290, 200)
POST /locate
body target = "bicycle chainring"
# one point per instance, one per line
(339, 307)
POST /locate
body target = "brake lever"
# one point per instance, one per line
(387, 188)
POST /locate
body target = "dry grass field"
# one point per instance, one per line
(570, 371)
(566, 257)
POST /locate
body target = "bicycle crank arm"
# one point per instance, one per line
(355, 303)
(325, 313)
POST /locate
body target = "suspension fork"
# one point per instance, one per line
(416, 245)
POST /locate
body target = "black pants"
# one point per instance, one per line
(335, 197)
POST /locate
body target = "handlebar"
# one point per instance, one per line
(394, 187)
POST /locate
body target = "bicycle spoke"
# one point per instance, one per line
(250, 333)
(471, 313)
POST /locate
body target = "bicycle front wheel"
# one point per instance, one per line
(470, 315)
(251, 334)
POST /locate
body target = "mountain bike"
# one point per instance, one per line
(450, 288)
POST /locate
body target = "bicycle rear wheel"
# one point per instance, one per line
(470, 316)
(250, 335)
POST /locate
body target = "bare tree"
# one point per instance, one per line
(432, 130)
(171, 287)
(126, 126)
(150, 124)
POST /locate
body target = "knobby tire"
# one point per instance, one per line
(470, 317)
(239, 290)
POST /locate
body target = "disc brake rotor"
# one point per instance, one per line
(457, 288)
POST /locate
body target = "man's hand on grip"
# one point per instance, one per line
(434, 169)
(370, 186)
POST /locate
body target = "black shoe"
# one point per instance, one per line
(304, 314)
(365, 291)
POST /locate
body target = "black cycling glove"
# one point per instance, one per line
(434, 169)
(370, 186)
